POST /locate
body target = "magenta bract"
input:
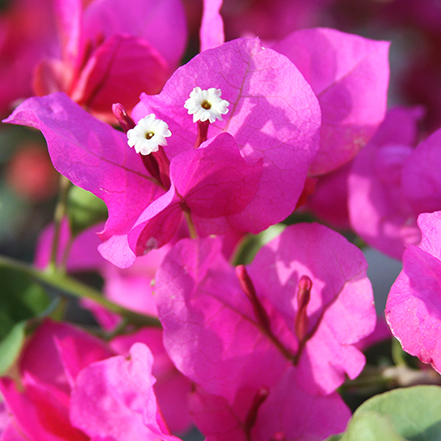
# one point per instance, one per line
(171, 386)
(113, 51)
(236, 346)
(115, 399)
(391, 182)
(212, 332)
(211, 32)
(350, 76)
(245, 179)
(91, 154)
(421, 179)
(48, 370)
(413, 309)
(280, 414)
(273, 116)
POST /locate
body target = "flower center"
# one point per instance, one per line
(206, 105)
(148, 135)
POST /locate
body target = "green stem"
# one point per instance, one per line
(71, 286)
(391, 376)
(191, 227)
(60, 212)
(366, 381)
(397, 353)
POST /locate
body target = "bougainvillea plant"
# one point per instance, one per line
(193, 178)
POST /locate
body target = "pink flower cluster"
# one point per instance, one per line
(228, 144)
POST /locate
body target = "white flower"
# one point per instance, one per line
(148, 135)
(206, 104)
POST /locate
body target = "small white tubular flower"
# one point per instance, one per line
(206, 104)
(148, 135)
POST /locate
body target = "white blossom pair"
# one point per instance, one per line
(150, 132)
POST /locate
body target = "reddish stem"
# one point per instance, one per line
(260, 313)
(202, 133)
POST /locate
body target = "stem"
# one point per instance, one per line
(202, 133)
(191, 227)
(71, 286)
(391, 376)
(66, 253)
(397, 353)
(60, 212)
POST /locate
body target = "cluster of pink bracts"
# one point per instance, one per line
(230, 143)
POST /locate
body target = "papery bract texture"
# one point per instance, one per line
(162, 23)
(273, 116)
(329, 201)
(132, 288)
(95, 157)
(298, 415)
(421, 177)
(413, 309)
(340, 311)
(212, 333)
(48, 369)
(350, 75)
(245, 179)
(211, 182)
(112, 51)
(211, 32)
(208, 322)
(115, 399)
(171, 388)
(380, 212)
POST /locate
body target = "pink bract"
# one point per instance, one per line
(172, 389)
(211, 331)
(413, 309)
(48, 370)
(294, 416)
(60, 367)
(114, 399)
(350, 75)
(112, 51)
(329, 201)
(256, 170)
(421, 178)
(211, 32)
(91, 155)
(273, 116)
(340, 310)
(132, 288)
(301, 415)
(380, 211)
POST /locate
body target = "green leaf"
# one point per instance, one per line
(371, 426)
(84, 209)
(412, 414)
(253, 242)
(20, 299)
(414, 411)
(334, 438)
(11, 345)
